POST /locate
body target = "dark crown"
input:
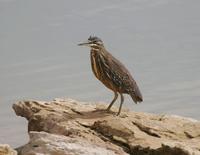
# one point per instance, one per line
(94, 39)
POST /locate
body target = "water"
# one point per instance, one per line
(158, 40)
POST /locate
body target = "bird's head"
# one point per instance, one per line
(93, 42)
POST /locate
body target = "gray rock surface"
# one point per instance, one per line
(72, 127)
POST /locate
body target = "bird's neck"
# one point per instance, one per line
(95, 47)
(98, 49)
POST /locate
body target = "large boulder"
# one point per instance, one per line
(69, 125)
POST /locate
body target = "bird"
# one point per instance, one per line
(111, 72)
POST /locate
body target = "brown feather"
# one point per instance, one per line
(113, 74)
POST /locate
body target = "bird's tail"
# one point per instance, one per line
(136, 96)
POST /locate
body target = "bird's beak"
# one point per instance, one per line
(84, 44)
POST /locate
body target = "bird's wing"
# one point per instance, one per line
(121, 73)
(123, 78)
(115, 71)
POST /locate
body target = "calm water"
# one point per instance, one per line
(158, 40)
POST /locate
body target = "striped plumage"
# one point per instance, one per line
(112, 73)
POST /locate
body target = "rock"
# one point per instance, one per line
(43, 143)
(69, 125)
(7, 150)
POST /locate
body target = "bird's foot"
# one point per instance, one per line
(108, 109)
(117, 114)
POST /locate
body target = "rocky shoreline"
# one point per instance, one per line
(69, 127)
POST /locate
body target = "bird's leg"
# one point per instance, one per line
(120, 107)
(114, 99)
